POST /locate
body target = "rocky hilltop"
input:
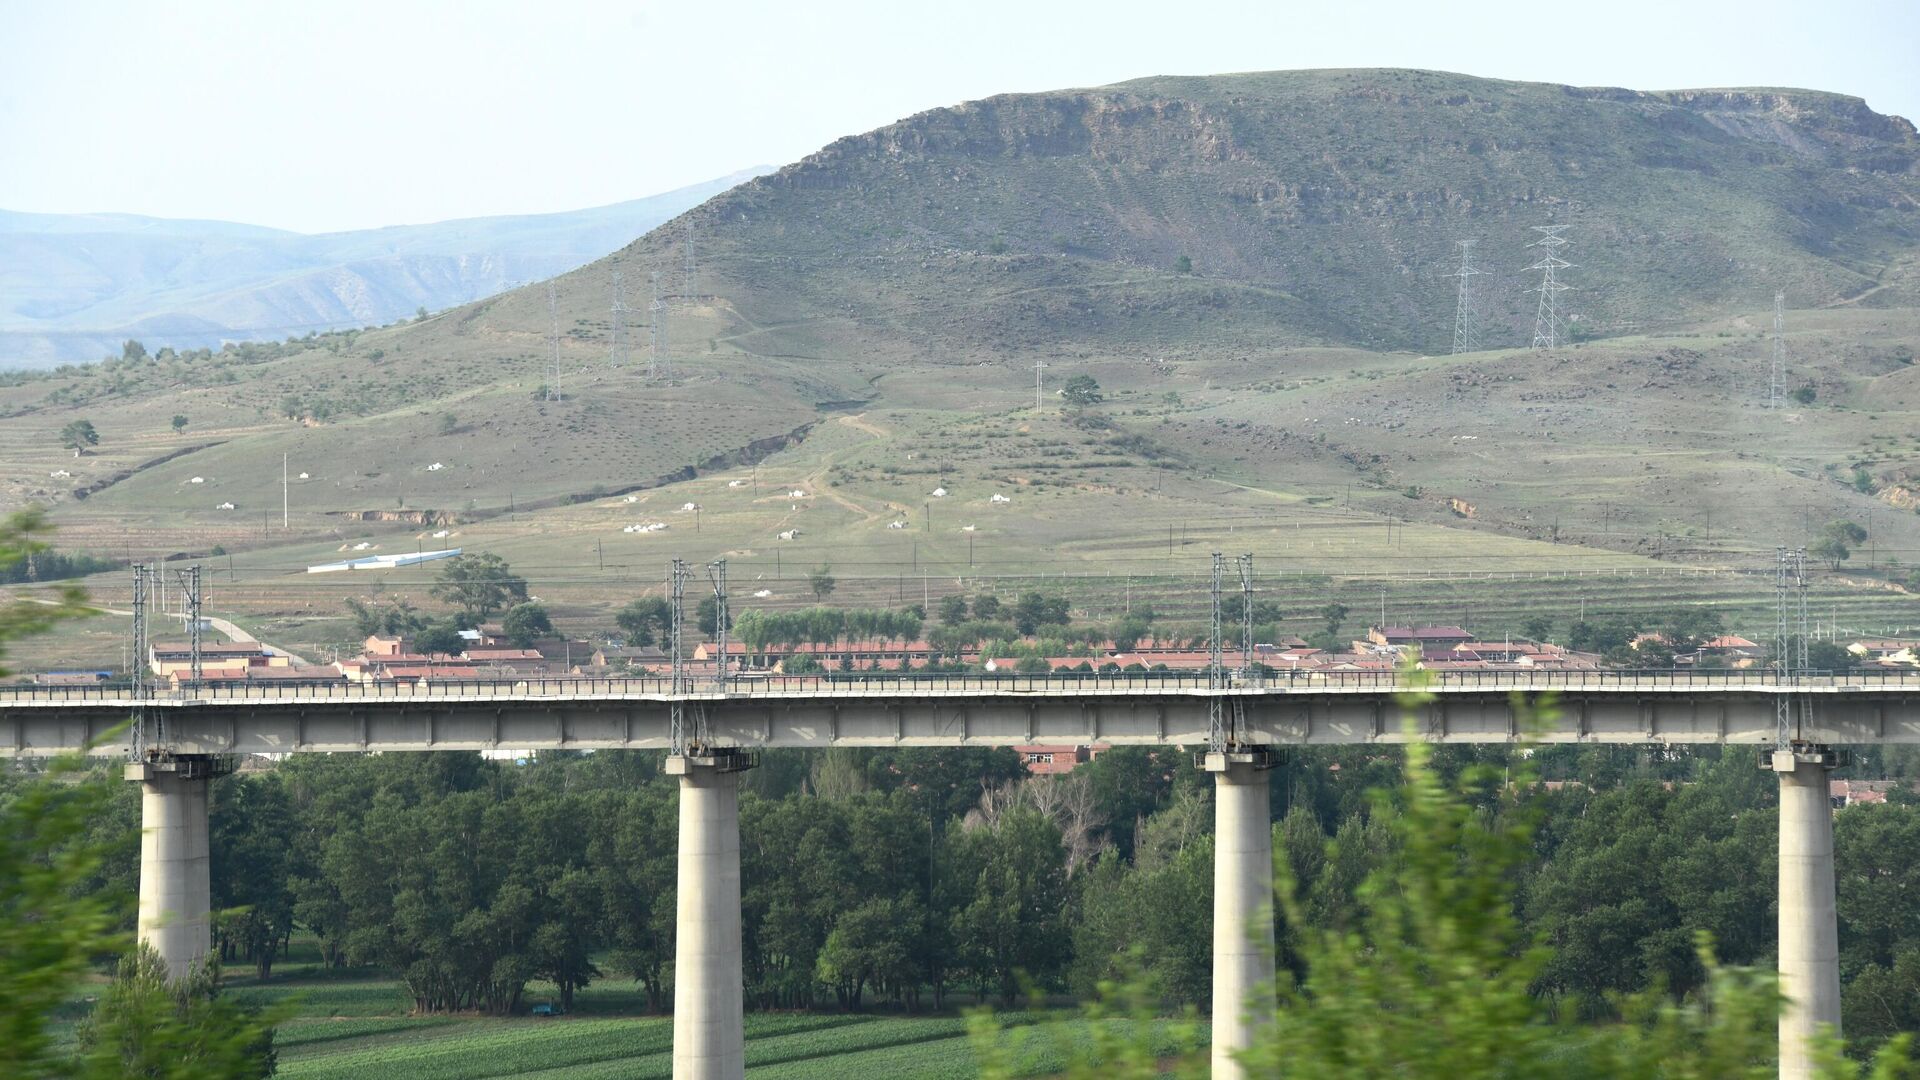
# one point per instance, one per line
(1312, 206)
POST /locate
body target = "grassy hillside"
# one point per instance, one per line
(1313, 206)
(864, 324)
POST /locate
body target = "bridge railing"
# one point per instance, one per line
(874, 684)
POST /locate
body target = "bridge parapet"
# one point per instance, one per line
(1628, 707)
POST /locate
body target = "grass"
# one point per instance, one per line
(351, 1025)
(640, 1048)
(1112, 526)
(354, 1024)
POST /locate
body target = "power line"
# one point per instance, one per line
(1038, 367)
(1465, 336)
(1546, 319)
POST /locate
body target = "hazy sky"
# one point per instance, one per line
(350, 114)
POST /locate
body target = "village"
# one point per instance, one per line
(491, 654)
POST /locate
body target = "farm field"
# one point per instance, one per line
(357, 1028)
(1030, 502)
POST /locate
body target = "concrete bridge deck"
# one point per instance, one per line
(972, 710)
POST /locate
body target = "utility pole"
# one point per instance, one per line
(1464, 338)
(1216, 674)
(1790, 636)
(1038, 366)
(1777, 380)
(717, 575)
(189, 580)
(617, 352)
(676, 614)
(1245, 563)
(1546, 319)
(283, 491)
(553, 322)
(137, 670)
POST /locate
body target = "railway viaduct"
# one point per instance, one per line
(178, 741)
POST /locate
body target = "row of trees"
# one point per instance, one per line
(900, 876)
(479, 586)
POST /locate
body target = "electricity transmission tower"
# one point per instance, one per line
(1777, 383)
(1546, 319)
(658, 366)
(1038, 366)
(686, 288)
(617, 354)
(1465, 337)
(553, 323)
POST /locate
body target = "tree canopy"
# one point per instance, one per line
(479, 585)
(1081, 391)
(78, 435)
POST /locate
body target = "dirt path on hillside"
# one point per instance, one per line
(861, 423)
(1857, 297)
(816, 481)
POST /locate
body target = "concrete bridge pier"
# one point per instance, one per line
(1242, 903)
(709, 1036)
(1809, 927)
(175, 885)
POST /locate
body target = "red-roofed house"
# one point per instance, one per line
(1406, 637)
(1054, 760)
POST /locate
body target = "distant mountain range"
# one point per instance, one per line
(73, 287)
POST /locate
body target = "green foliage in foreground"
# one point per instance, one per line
(52, 928)
(1433, 978)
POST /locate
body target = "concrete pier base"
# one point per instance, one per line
(709, 1037)
(1809, 929)
(1242, 904)
(175, 884)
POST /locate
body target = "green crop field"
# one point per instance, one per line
(356, 1026)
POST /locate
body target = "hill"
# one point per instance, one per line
(1313, 207)
(74, 286)
(864, 326)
